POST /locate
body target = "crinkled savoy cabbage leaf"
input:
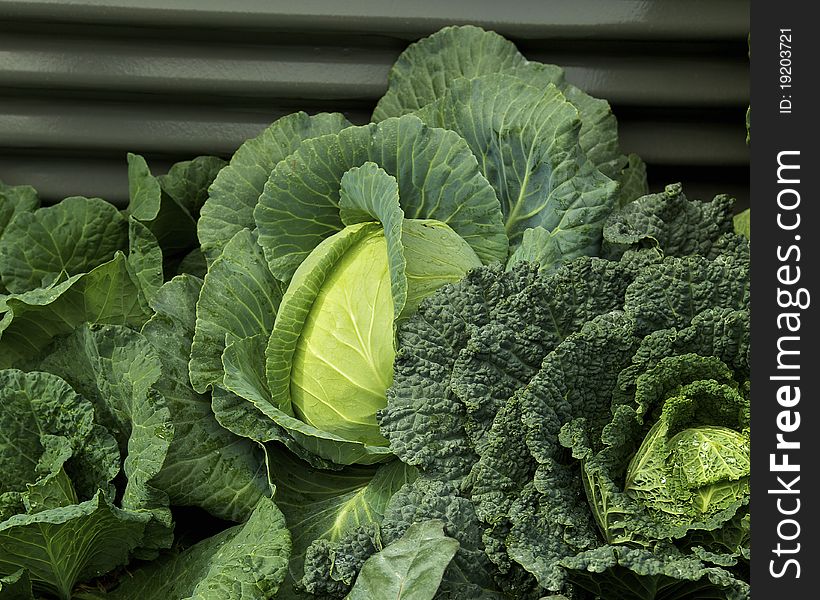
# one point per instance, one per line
(487, 374)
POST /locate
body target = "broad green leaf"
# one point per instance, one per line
(206, 466)
(527, 142)
(144, 257)
(116, 368)
(236, 190)
(66, 239)
(429, 70)
(243, 418)
(425, 70)
(107, 294)
(169, 215)
(633, 180)
(598, 136)
(368, 193)
(187, 182)
(46, 428)
(193, 264)
(742, 223)
(52, 491)
(63, 546)
(16, 586)
(143, 190)
(437, 175)
(16, 199)
(239, 298)
(410, 568)
(246, 562)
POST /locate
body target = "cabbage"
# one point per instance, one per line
(343, 361)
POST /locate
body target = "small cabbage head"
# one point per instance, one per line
(343, 360)
(676, 458)
(688, 465)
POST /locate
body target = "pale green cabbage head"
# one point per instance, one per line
(343, 362)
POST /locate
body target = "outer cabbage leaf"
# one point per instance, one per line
(56, 517)
(246, 562)
(115, 369)
(61, 546)
(429, 69)
(437, 175)
(241, 276)
(424, 71)
(526, 140)
(327, 507)
(106, 294)
(169, 205)
(144, 258)
(488, 352)
(45, 423)
(187, 182)
(369, 193)
(206, 465)
(66, 239)
(236, 190)
(409, 568)
(244, 406)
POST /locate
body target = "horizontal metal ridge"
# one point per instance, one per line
(208, 71)
(599, 19)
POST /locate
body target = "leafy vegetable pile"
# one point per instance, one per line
(458, 352)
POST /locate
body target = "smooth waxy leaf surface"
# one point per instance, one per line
(237, 188)
(410, 568)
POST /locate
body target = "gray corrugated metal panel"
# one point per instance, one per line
(686, 143)
(83, 81)
(195, 68)
(94, 127)
(184, 129)
(598, 19)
